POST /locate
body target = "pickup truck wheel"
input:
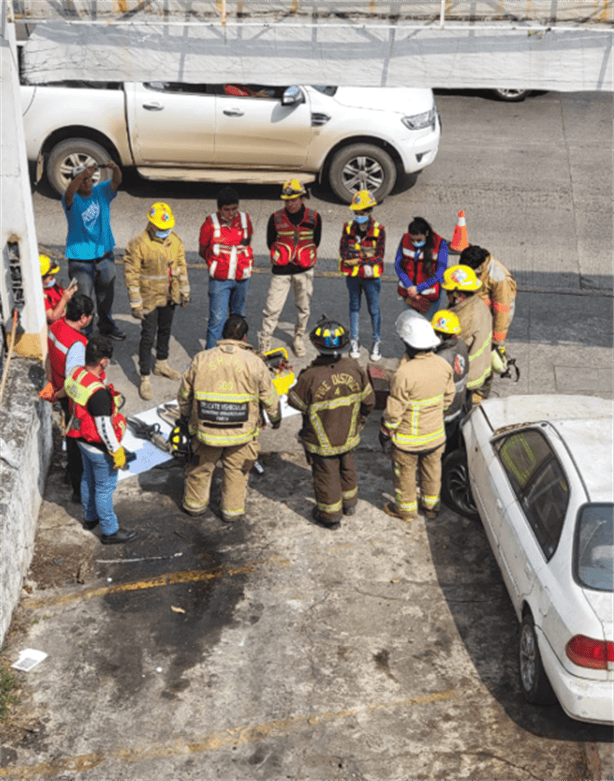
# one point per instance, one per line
(534, 682)
(455, 487)
(67, 155)
(362, 167)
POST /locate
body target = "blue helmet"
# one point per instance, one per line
(329, 337)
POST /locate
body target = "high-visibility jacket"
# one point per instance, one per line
(294, 243)
(498, 292)
(80, 386)
(52, 296)
(155, 271)
(352, 241)
(412, 263)
(222, 393)
(422, 387)
(455, 352)
(225, 255)
(61, 338)
(476, 331)
(334, 399)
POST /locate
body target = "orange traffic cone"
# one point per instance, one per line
(459, 239)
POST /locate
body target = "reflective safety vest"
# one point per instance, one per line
(413, 265)
(294, 243)
(371, 268)
(61, 338)
(226, 257)
(52, 296)
(80, 386)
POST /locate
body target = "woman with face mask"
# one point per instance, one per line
(421, 260)
(361, 259)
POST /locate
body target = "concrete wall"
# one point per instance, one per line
(25, 454)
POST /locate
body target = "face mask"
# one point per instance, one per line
(49, 284)
(163, 234)
(361, 218)
(419, 243)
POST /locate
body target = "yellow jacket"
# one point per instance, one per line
(421, 389)
(155, 271)
(476, 331)
(222, 392)
(498, 292)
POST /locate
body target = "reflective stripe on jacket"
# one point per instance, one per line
(498, 292)
(334, 399)
(294, 243)
(476, 331)
(222, 393)
(421, 389)
(225, 256)
(352, 241)
(155, 271)
(61, 338)
(80, 387)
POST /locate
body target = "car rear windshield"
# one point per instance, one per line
(594, 547)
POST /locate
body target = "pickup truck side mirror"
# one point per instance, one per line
(292, 97)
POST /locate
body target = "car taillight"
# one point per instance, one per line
(586, 652)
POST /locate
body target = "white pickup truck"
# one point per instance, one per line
(354, 138)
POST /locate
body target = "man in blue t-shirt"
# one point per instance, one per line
(90, 242)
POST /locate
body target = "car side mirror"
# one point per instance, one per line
(292, 97)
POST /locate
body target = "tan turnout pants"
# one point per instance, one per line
(404, 465)
(237, 462)
(302, 285)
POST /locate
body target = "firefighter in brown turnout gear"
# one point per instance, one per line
(221, 394)
(412, 425)
(335, 396)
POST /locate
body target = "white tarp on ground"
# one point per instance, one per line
(340, 52)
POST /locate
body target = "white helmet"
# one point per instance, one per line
(416, 332)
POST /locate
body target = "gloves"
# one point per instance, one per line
(185, 299)
(500, 348)
(137, 312)
(386, 442)
(119, 458)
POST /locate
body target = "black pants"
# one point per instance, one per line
(73, 454)
(155, 327)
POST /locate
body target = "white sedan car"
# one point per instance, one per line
(540, 474)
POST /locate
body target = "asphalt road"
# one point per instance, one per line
(378, 651)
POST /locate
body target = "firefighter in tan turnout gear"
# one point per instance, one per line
(412, 427)
(221, 394)
(335, 396)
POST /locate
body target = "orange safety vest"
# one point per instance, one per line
(226, 257)
(61, 338)
(364, 269)
(294, 243)
(413, 265)
(80, 386)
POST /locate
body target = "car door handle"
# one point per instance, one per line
(233, 112)
(153, 107)
(499, 504)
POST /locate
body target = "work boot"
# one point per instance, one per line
(350, 510)
(391, 509)
(322, 521)
(162, 369)
(264, 344)
(195, 513)
(145, 390)
(298, 346)
(232, 518)
(354, 348)
(430, 512)
(120, 536)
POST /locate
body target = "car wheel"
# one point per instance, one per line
(511, 95)
(534, 682)
(362, 167)
(69, 154)
(455, 486)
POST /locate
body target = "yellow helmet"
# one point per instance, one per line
(363, 199)
(292, 189)
(446, 322)
(47, 265)
(460, 278)
(161, 216)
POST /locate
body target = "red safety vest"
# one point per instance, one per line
(364, 269)
(52, 296)
(226, 257)
(61, 338)
(80, 387)
(413, 265)
(294, 243)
